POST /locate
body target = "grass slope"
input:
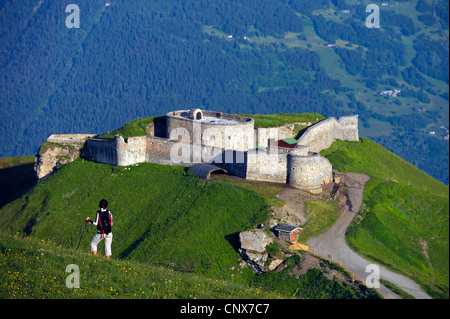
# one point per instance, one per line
(16, 176)
(162, 214)
(33, 268)
(136, 127)
(404, 217)
(168, 224)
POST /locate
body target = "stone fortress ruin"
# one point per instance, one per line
(221, 141)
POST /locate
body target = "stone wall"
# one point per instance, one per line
(100, 151)
(75, 140)
(348, 128)
(321, 135)
(299, 168)
(234, 162)
(131, 152)
(116, 151)
(157, 127)
(266, 166)
(228, 132)
(158, 151)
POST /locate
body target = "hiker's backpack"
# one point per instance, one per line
(104, 222)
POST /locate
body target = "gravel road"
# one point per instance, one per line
(332, 244)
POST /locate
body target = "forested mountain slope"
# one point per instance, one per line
(133, 59)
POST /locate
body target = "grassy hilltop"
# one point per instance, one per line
(182, 232)
(175, 236)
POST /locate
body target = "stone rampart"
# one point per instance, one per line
(266, 166)
(131, 152)
(321, 135)
(100, 151)
(75, 140)
(158, 151)
(349, 128)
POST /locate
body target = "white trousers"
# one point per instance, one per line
(98, 238)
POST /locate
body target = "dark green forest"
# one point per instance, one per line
(141, 58)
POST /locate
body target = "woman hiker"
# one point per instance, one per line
(104, 222)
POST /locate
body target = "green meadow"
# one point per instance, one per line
(175, 236)
(36, 269)
(321, 215)
(404, 222)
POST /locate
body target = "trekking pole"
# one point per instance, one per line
(82, 233)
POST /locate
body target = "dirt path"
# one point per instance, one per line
(332, 244)
(293, 211)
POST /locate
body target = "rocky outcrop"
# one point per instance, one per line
(253, 249)
(51, 156)
(58, 150)
(256, 261)
(255, 240)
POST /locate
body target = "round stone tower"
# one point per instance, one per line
(308, 171)
(227, 131)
